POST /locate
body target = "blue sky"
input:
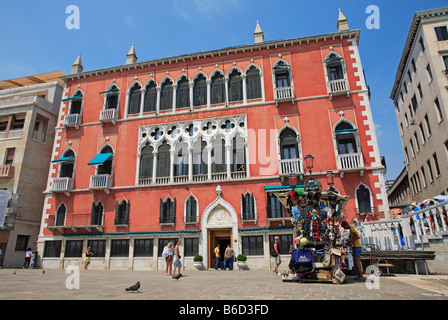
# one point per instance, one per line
(34, 38)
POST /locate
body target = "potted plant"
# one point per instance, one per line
(241, 261)
(197, 262)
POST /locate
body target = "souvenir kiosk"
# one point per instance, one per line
(318, 252)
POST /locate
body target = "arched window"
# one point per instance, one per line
(76, 104)
(122, 212)
(282, 76)
(150, 97)
(66, 169)
(163, 160)
(289, 148)
(60, 215)
(253, 83)
(235, 86)
(335, 70)
(238, 154)
(181, 160)
(97, 214)
(146, 162)
(219, 156)
(248, 206)
(167, 211)
(199, 158)
(135, 96)
(106, 166)
(345, 138)
(200, 91)
(166, 95)
(112, 98)
(218, 89)
(183, 94)
(191, 210)
(363, 200)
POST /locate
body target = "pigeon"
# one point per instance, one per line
(15, 271)
(43, 271)
(134, 288)
(177, 277)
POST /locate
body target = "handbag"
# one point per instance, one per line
(165, 252)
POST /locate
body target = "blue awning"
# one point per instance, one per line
(281, 187)
(72, 98)
(345, 130)
(99, 159)
(62, 159)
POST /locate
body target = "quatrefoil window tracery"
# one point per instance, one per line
(156, 134)
(173, 132)
(191, 130)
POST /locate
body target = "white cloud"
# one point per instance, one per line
(129, 21)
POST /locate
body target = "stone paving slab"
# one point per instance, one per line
(33, 284)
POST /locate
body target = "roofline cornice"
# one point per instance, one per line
(352, 34)
(413, 31)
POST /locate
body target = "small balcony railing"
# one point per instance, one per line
(337, 87)
(350, 161)
(12, 134)
(72, 120)
(289, 166)
(100, 182)
(284, 93)
(62, 185)
(109, 115)
(6, 171)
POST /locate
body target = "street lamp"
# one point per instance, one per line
(309, 162)
(330, 180)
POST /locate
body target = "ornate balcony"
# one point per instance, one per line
(350, 162)
(284, 94)
(109, 115)
(100, 182)
(338, 87)
(72, 120)
(62, 185)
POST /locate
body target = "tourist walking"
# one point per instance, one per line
(217, 257)
(278, 260)
(168, 253)
(176, 260)
(355, 241)
(229, 256)
(28, 255)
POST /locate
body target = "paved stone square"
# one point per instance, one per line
(33, 284)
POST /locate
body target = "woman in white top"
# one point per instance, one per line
(168, 253)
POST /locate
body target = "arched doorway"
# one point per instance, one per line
(219, 225)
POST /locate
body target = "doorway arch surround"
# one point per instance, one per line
(218, 215)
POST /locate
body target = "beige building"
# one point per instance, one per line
(421, 104)
(29, 109)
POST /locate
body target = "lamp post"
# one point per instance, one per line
(309, 162)
(330, 180)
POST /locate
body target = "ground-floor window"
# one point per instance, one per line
(98, 247)
(253, 245)
(52, 249)
(143, 247)
(120, 248)
(191, 247)
(73, 249)
(285, 242)
(164, 242)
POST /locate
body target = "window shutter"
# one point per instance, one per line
(126, 215)
(92, 216)
(173, 211)
(161, 210)
(117, 212)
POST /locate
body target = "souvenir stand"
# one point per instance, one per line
(318, 252)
